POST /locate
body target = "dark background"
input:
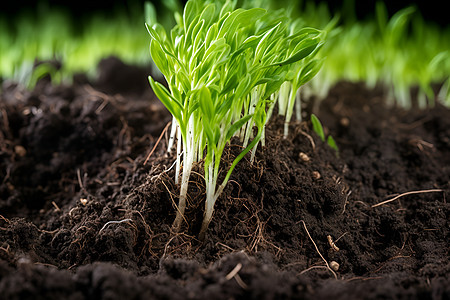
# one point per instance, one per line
(432, 10)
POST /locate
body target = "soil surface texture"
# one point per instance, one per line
(86, 211)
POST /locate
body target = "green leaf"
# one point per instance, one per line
(302, 50)
(153, 33)
(183, 79)
(304, 33)
(332, 143)
(238, 18)
(243, 87)
(211, 35)
(262, 44)
(189, 32)
(230, 83)
(273, 85)
(308, 72)
(208, 14)
(317, 127)
(381, 16)
(236, 126)
(159, 57)
(197, 31)
(206, 103)
(191, 10)
(150, 13)
(227, 8)
(172, 105)
(250, 42)
(248, 17)
(397, 24)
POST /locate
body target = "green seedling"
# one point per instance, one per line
(222, 65)
(318, 129)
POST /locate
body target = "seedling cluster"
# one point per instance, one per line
(226, 68)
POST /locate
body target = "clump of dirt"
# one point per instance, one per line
(87, 213)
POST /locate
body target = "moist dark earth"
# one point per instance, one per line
(86, 212)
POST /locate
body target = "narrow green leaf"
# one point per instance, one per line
(183, 79)
(153, 33)
(159, 57)
(304, 49)
(150, 13)
(308, 72)
(243, 87)
(317, 127)
(191, 10)
(172, 105)
(332, 143)
(208, 14)
(273, 85)
(211, 35)
(206, 103)
(236, 126)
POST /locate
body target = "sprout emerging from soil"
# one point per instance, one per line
(318, 129)
(222, 66)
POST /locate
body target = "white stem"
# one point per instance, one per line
(211, 181)
(289, 111)
(173, 132)
(183, 193)
(252, 157)
(273, 98)
(188, 161)
(282, 99)
(177, 168)
(403, 97)
(251, 110)
(298, 106)
(211, 199)
(421, 100)
(443, 92)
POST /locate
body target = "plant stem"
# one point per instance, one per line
(188, 160)
(289, 111)
(173, 132)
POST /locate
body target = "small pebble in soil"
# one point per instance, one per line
(345, 122)
(334, 265)
(303, 156)
(20, 150)
(316, 175)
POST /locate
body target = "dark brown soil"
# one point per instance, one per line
(84, 216)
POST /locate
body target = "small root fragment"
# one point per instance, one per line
(114, 222)
(157, 143)
(235, 274)
(234, 271)
(317, 249)
(405, 194)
